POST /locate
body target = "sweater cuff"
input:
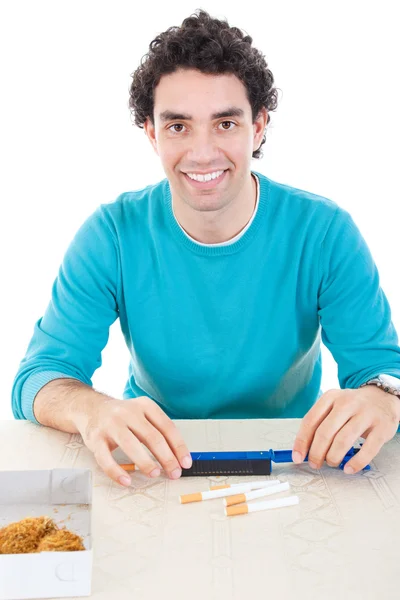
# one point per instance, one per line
(32, 386)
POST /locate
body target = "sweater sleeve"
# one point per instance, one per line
(354, 313)
(67, 341)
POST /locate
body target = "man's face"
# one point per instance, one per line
(203, 125)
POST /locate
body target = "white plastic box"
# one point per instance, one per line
(65, 495)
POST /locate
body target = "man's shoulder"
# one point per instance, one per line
(136, 199)
(289, 197)
(132, 207)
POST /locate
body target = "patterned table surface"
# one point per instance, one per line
(341, 540)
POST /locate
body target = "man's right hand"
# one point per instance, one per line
(110, 423)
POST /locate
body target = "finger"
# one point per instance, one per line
(325, 436)
(153, 439)
(157, 417)
(309, 424)
(369, 450)
(366, 433)
(108, 464)
(345, 439)
(129, 440)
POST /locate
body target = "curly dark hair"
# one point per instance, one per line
(210, 46)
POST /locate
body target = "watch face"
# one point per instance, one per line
(390, 381)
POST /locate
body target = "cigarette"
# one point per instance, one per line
(209, 495)
(255, 485)
(242, 509)
(129, 467)
(260, 493)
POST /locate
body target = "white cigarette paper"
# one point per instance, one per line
(242, 509)
(255, 485)
(199, 496)
(260, 493)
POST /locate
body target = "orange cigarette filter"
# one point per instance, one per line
(231, 500)
(186, 498)
(129, 467)
(238, 509)
(219, 487)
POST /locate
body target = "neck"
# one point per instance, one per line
(215, 227)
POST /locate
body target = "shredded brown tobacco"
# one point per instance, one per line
(37, 534)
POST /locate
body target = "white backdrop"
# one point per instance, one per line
(68, 144)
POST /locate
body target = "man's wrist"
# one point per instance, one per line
(388, 396)
(387, 383)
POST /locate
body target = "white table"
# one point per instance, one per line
(342, 539)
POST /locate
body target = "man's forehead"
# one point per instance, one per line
(189, 94)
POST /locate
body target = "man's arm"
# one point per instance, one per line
(68, 340)
(62, 403)
(106, 423)
(53, 384)
(354, 312)
(357, 329)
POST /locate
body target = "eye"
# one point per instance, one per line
(229, 122)
(175, 125)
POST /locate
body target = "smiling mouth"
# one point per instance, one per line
(211, 183)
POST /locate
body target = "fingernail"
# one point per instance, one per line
(187, 462)
(155, 472)
(176, 473)
(312, 465)
(348, 470)
(124, 480)
(297, 457)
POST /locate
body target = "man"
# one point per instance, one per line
(223, 281)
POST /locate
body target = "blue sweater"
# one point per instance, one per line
(229, 331)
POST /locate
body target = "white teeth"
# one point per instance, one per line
(206, 177)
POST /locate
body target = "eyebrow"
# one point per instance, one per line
(232, 111)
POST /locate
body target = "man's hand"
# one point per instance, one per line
(339, 418)
(110, 423)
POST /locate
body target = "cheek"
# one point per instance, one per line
(238, 150)
(169, 155)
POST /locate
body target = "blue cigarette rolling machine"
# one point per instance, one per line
(245, 463)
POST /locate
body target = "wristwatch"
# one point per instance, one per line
(388, 383)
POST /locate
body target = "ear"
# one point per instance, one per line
(259, 128)
(151, 133)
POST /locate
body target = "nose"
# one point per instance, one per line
(203, 148)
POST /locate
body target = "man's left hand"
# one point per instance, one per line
(336, 421)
